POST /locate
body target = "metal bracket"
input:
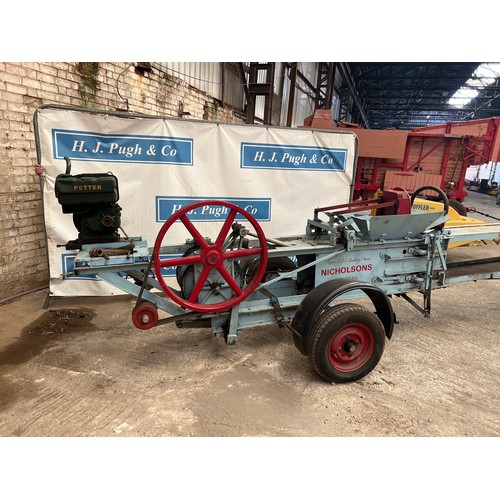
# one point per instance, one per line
(278, 312)
(350, 238)
(415, 305)
(441, 254)
(232, 334)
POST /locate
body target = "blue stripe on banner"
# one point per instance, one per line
(286, 157)
(89, 146)
(259, 208)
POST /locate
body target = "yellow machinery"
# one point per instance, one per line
(456, 220)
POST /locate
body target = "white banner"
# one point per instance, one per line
(278, 175)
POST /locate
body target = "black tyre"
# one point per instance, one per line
(458, 207)
(338, 307)
(347, 343)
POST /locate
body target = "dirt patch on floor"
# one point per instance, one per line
(51, 326)
(57, 321)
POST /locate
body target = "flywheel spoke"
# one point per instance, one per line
(225, 228)
(229, 279)
(180, 261)
(199, 284)
(198, 238)
(243, 252)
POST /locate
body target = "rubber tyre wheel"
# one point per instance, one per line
(337, 307)
(458, 207)
(347, 343)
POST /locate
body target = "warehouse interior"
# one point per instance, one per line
(76, 382)
(153, 409)
(388, 95)
(412, 95)
(373, 95)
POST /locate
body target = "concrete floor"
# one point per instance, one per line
(80, 368)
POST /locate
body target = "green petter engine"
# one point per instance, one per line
(92, 199)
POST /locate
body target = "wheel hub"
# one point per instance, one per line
(349, 346)
(212, 257)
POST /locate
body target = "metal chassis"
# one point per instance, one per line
(275, 301)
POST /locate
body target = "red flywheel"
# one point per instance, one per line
(214, 266)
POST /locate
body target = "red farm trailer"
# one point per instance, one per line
(436, 155)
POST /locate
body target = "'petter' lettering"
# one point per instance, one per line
(87, 187)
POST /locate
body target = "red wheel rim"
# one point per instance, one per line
(211, 257)
(351, 347)
(145, 316)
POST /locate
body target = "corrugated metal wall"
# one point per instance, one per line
(205, 76)
(219, 80)
(228, 87)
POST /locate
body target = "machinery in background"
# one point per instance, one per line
(437, 155)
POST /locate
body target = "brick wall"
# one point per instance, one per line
(26, 86)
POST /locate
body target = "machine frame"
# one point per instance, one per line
(375, 249)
